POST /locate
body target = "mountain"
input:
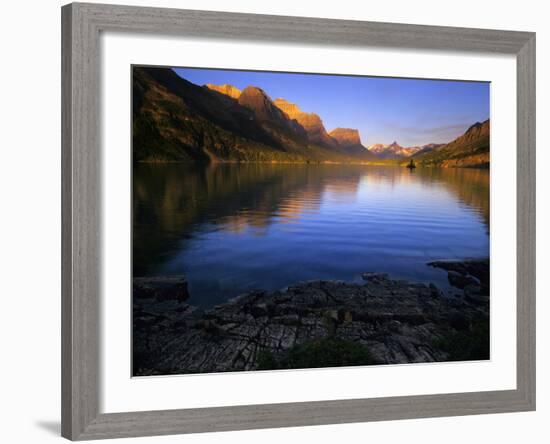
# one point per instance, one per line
(471, 149)
(176, 120)
(350, 142)
(311, 122)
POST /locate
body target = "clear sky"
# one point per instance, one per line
(409, 111)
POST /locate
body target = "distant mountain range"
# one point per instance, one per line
(396, 151)
(176, 120)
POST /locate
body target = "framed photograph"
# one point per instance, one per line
(278, 221)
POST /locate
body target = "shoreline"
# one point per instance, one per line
(313, 324)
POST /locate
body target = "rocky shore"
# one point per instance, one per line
(313, 324)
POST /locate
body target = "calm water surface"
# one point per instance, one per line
(235, 227)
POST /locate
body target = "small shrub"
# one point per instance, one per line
(325, 352)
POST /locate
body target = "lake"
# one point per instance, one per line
(230, 228)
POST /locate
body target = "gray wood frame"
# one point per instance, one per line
(81, 26)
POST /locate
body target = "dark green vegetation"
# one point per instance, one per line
(323, 352)
(175, 120)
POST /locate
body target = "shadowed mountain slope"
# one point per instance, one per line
(469, 150)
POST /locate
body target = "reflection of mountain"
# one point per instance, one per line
(396, 151)
(169, 199)
(470, 185)
(173, 202)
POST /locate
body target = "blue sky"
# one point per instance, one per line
(409, 111)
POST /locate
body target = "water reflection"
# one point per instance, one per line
(233, 227)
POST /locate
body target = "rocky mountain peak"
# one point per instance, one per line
(228, 90)
(346, 136)
(258, 101)
(311, 122)
(254, 93)
(294, 112)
